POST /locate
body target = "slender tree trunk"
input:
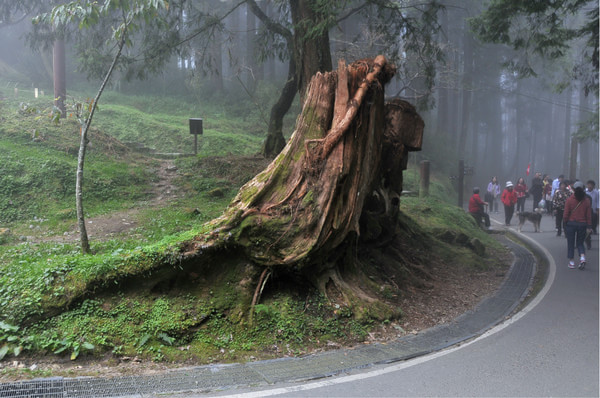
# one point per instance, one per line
(270, 63)
(59, 72)
(251, 63)
(85, 244)
(555, 140)
(494, 147)
(567, 133)
(573, 159)
(466, 92)
(583, 115)
(520, 157)
(442, 107)
(217, 54)
(275, 140)
(475, 152)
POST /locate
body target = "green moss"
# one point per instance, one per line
(308, 198)
(434, 216)
(248, 193)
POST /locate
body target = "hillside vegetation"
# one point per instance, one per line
(54, 300)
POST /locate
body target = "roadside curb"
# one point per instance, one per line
(489, 313)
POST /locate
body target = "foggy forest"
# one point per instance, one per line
(477, 104)
(254, 183)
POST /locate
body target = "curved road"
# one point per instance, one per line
(550, 348)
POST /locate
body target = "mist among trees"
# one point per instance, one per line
(496, 98)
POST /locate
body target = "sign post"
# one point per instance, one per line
(195, 130)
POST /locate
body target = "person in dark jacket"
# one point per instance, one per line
(558, 204)
(578, 222)
(537, 189)
(476, 208)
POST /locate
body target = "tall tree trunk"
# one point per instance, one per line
(311, 50)
(583, 116)
(216, 49)
(251, 75)
(59, 72)
(270, 63)
(494, 144)
(442, 108)
(521, 132)
(567, 135)
(573, 158)
(555, 141)
(466, 92)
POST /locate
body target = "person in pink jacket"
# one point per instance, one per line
(509, 199)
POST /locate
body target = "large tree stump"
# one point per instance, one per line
(324, 213)
(339, 177)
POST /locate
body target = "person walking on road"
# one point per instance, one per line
(558, 203)
(556, 183)
(493, 190)
(537, 189)
(578, 222)
(547, 194)
(521, 191)
(509, 199)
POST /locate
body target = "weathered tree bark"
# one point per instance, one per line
(336, 182)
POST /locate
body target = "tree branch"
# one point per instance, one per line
(268, 22)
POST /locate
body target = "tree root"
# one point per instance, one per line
(260, 286)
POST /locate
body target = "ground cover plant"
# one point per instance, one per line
(55, 301)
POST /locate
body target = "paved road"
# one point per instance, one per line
(548, 349)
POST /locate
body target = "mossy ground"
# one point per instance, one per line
(191, 318)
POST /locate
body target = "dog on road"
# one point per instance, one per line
(535, 217)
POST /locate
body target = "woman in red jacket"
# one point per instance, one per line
(521, 191)
(578, 222)
(508, 198)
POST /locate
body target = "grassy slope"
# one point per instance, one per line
(154, 324)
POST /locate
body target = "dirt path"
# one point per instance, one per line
(107, 226)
